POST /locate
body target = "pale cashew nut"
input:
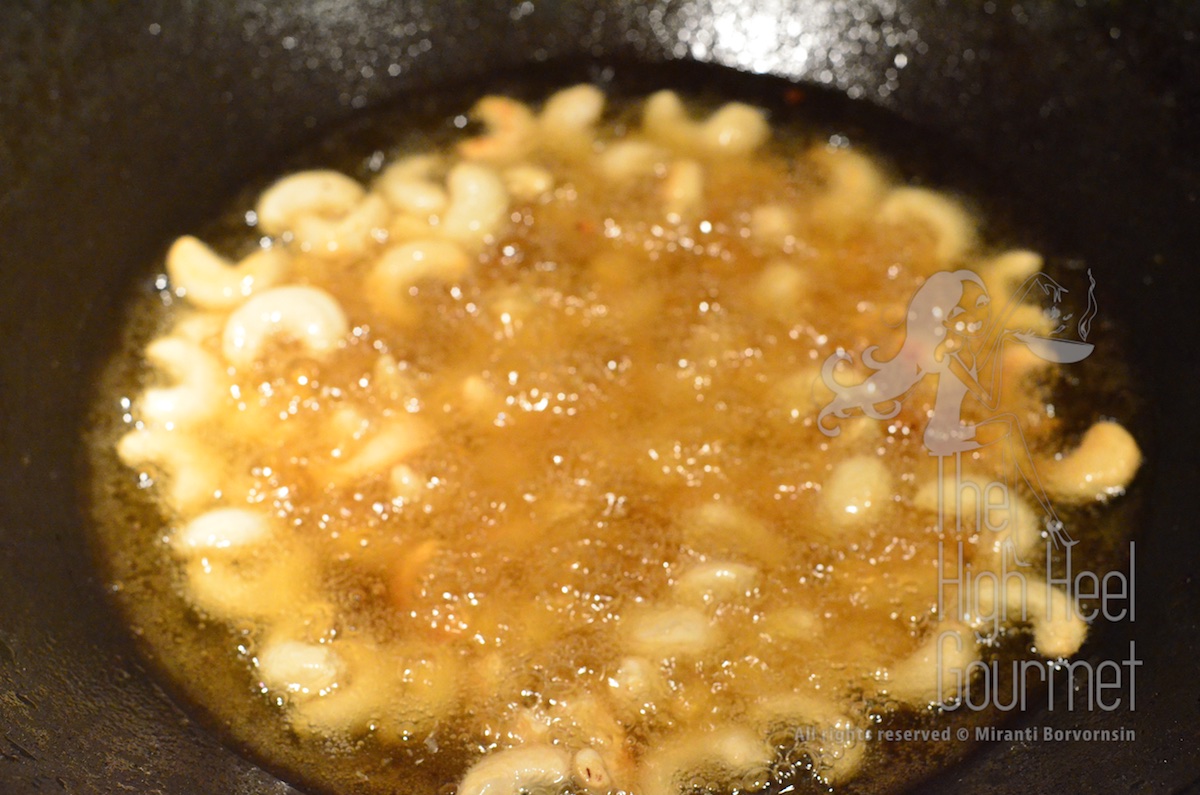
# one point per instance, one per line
(772, 224)
(672, 631)
(396, 692)
(793, 623)
(665, 120)
(408, 264)
(635, 682)
(412, 167)
(407, 186)
(222, 528)
(854, 186)
(350, 234)
(1058, 625)
(1101, 466)
(1021, 536)
(325, 194)
(194, 476)
(536, 769)
(568, 118)
(716, 582)
(857, 490)
(734, 749)
(210, 281)
(572, 109)
(591, 772)
(527, 182)
(1004, 519)
(298, 668)
(511, 131)
(199, 389)
(478, 203)
(779, 289)
(735, 129)
(405, 484)
(952, 226)
(967, 487)
(934, 672)
(202, 328)
(391, 445)
(1005, 272)
(355, 697)
(307, 315)
(683, 188)
(625, 161)
(239, 584)
(719, 528)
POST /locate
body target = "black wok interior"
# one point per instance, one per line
(124, 125)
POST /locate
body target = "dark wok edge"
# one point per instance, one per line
(104, 106)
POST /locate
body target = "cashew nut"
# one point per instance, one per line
(299, 668)
(193, 474)
(306, 315)
(199, 390)
(535, 769)
(1101, 466)
(478, 203)
(324, 194)
(222, 528)
(210, 281)
(511, 129)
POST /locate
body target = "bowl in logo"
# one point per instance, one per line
(1057, 350)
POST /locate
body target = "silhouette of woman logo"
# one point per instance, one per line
(948, 336)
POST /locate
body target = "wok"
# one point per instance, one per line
(123, 125)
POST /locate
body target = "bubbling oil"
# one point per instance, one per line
(558, 486)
